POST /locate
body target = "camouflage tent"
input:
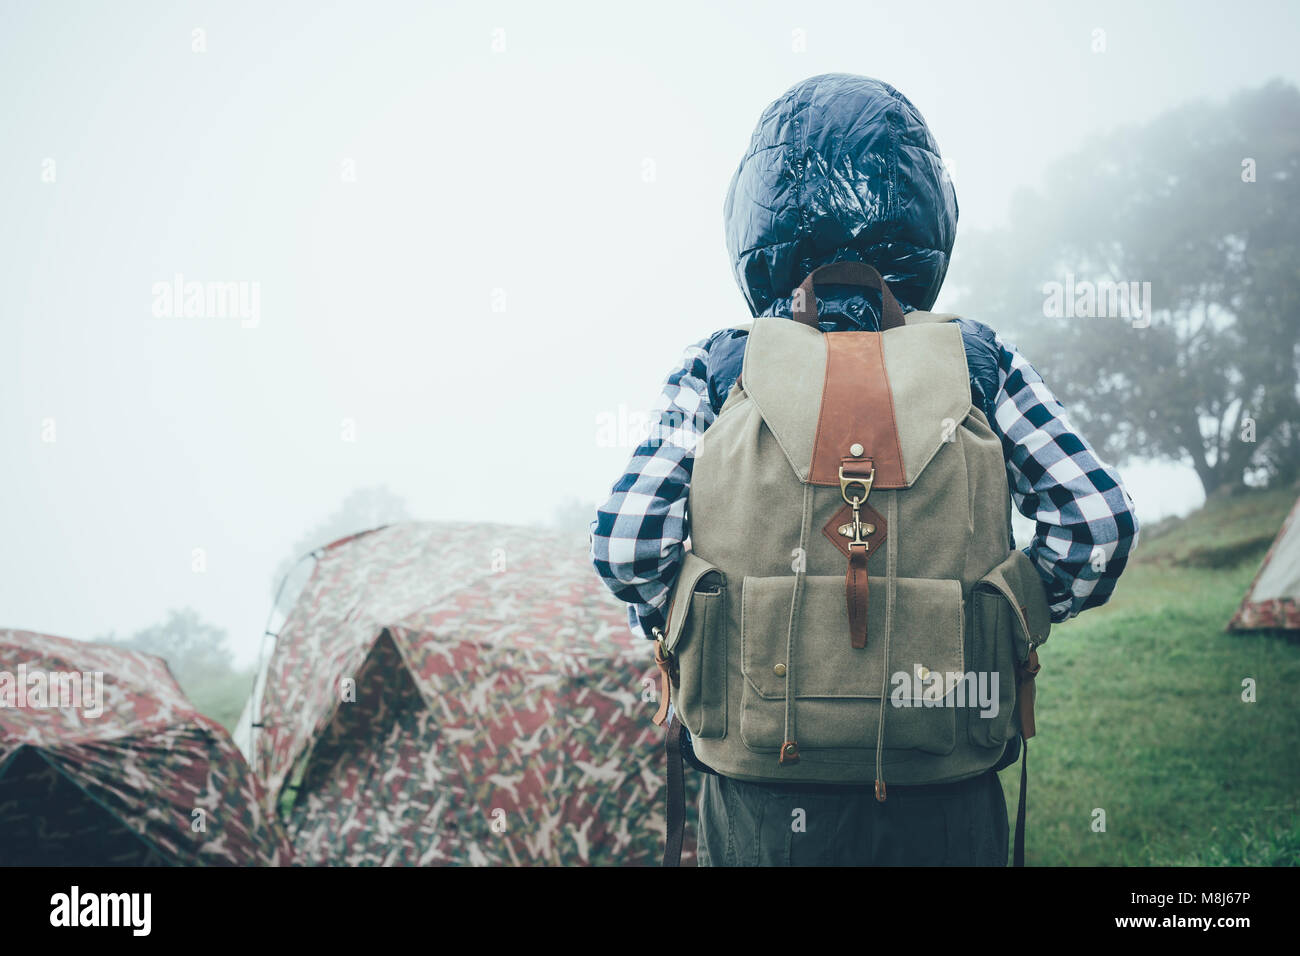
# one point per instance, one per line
(103, 761)
(461, 694)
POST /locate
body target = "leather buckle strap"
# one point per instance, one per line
(666, 666)
(1026, 671)
(855, 587)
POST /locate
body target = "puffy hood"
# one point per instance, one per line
(840, 167)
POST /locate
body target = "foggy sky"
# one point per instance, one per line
(532, 236)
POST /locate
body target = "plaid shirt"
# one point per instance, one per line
(1085, 525)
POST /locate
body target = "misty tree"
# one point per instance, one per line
(1200, 203)
(192, 648)
(199, 658)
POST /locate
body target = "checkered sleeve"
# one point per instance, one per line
(638, 535)
(1085, 525)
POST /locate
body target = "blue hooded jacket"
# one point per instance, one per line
(843, 167)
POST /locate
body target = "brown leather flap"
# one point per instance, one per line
(857, 409)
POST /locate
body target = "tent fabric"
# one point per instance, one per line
(48, 819)
(1273, 599)
(458, 693)
(117, 780)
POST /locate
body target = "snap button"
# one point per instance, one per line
(922, 671)
(855, 450)
(779, 670)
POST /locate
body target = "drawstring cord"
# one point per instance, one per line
(891, 579)
(789, 746)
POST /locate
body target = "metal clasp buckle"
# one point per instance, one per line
(661, 655)
(665, 661)
(856, 503)
(845, 483)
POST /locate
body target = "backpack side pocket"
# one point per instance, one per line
(696, 641)
(1010, 617)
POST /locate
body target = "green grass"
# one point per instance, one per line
(1140, 711)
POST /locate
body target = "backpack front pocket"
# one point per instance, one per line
(836, 689)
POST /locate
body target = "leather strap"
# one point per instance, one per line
(1025, 692)
(857, 409)
(1018, 854)
(1025, 685)
(665, 685)
(675, 815)
(803, 308)
(855, 585)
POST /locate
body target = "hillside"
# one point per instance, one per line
(1140, 710)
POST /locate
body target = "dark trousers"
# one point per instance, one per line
(751, 824)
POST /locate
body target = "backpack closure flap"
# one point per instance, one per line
(899, 394)
(930, 385)
(783, 372)
(857, 419)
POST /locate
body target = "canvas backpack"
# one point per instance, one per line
(850, 609)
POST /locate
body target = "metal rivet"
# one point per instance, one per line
(855, 450)
(779, 670)
(922, 671)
